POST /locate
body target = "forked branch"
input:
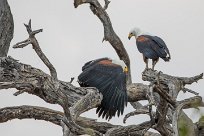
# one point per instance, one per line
(109, 33)
(32, 40)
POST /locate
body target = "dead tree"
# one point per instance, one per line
(161, 92)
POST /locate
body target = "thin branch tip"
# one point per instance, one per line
(22, 44)
(107, 2)
(19, 92)
(71, 80)
(29, 23)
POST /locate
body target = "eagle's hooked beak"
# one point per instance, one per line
(125, 70)
(130, 35)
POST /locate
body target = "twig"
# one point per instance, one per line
(136, 112)
(72, 79)
(190, 91)
(20, 92)
(190, 80)
(107, 2)
(32, 40)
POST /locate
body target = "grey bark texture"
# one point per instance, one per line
(6, 27)
(168, 118)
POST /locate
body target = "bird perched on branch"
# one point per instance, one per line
(109, 77)
(152, 47)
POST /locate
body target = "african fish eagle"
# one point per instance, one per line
(109, 77)
(152, 47)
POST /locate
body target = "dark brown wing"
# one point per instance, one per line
(110, 80)
(152, 47)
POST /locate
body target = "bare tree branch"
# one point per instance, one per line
(109, 33)
(23, 112)
(87, 102)
(50, 91)
(137, 92)
(34, 81)
(171, 85)
(136, 112)
(107, 2)
(6, 27)
(55, 117)
(162, 92)
(66, 131)
(90, 101)
(190, 91)
(131, 130)
(191, 80)
(32, 40)
(165, 95)
(193, 101)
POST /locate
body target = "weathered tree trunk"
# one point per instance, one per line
(168, 119)
(6, 27)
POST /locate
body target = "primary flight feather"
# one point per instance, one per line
(109, 77)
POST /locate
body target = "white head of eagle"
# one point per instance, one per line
(136, 31)
(121, 63)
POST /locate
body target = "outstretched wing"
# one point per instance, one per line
(110, 80)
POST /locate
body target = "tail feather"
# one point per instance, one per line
(166, 58)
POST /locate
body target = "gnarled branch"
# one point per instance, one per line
(109, 33)
(32, 40)
(55, 117)
(6, 27)
(76, 100)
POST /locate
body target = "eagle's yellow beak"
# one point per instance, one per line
(126, 70)
(130, 35)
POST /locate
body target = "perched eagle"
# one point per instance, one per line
(152, 47)
(109, 77)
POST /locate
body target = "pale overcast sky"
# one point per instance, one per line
(72, 37)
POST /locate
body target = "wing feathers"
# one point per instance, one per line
(110, 80)
(153, 47)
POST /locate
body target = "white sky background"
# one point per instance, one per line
(72, 37)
